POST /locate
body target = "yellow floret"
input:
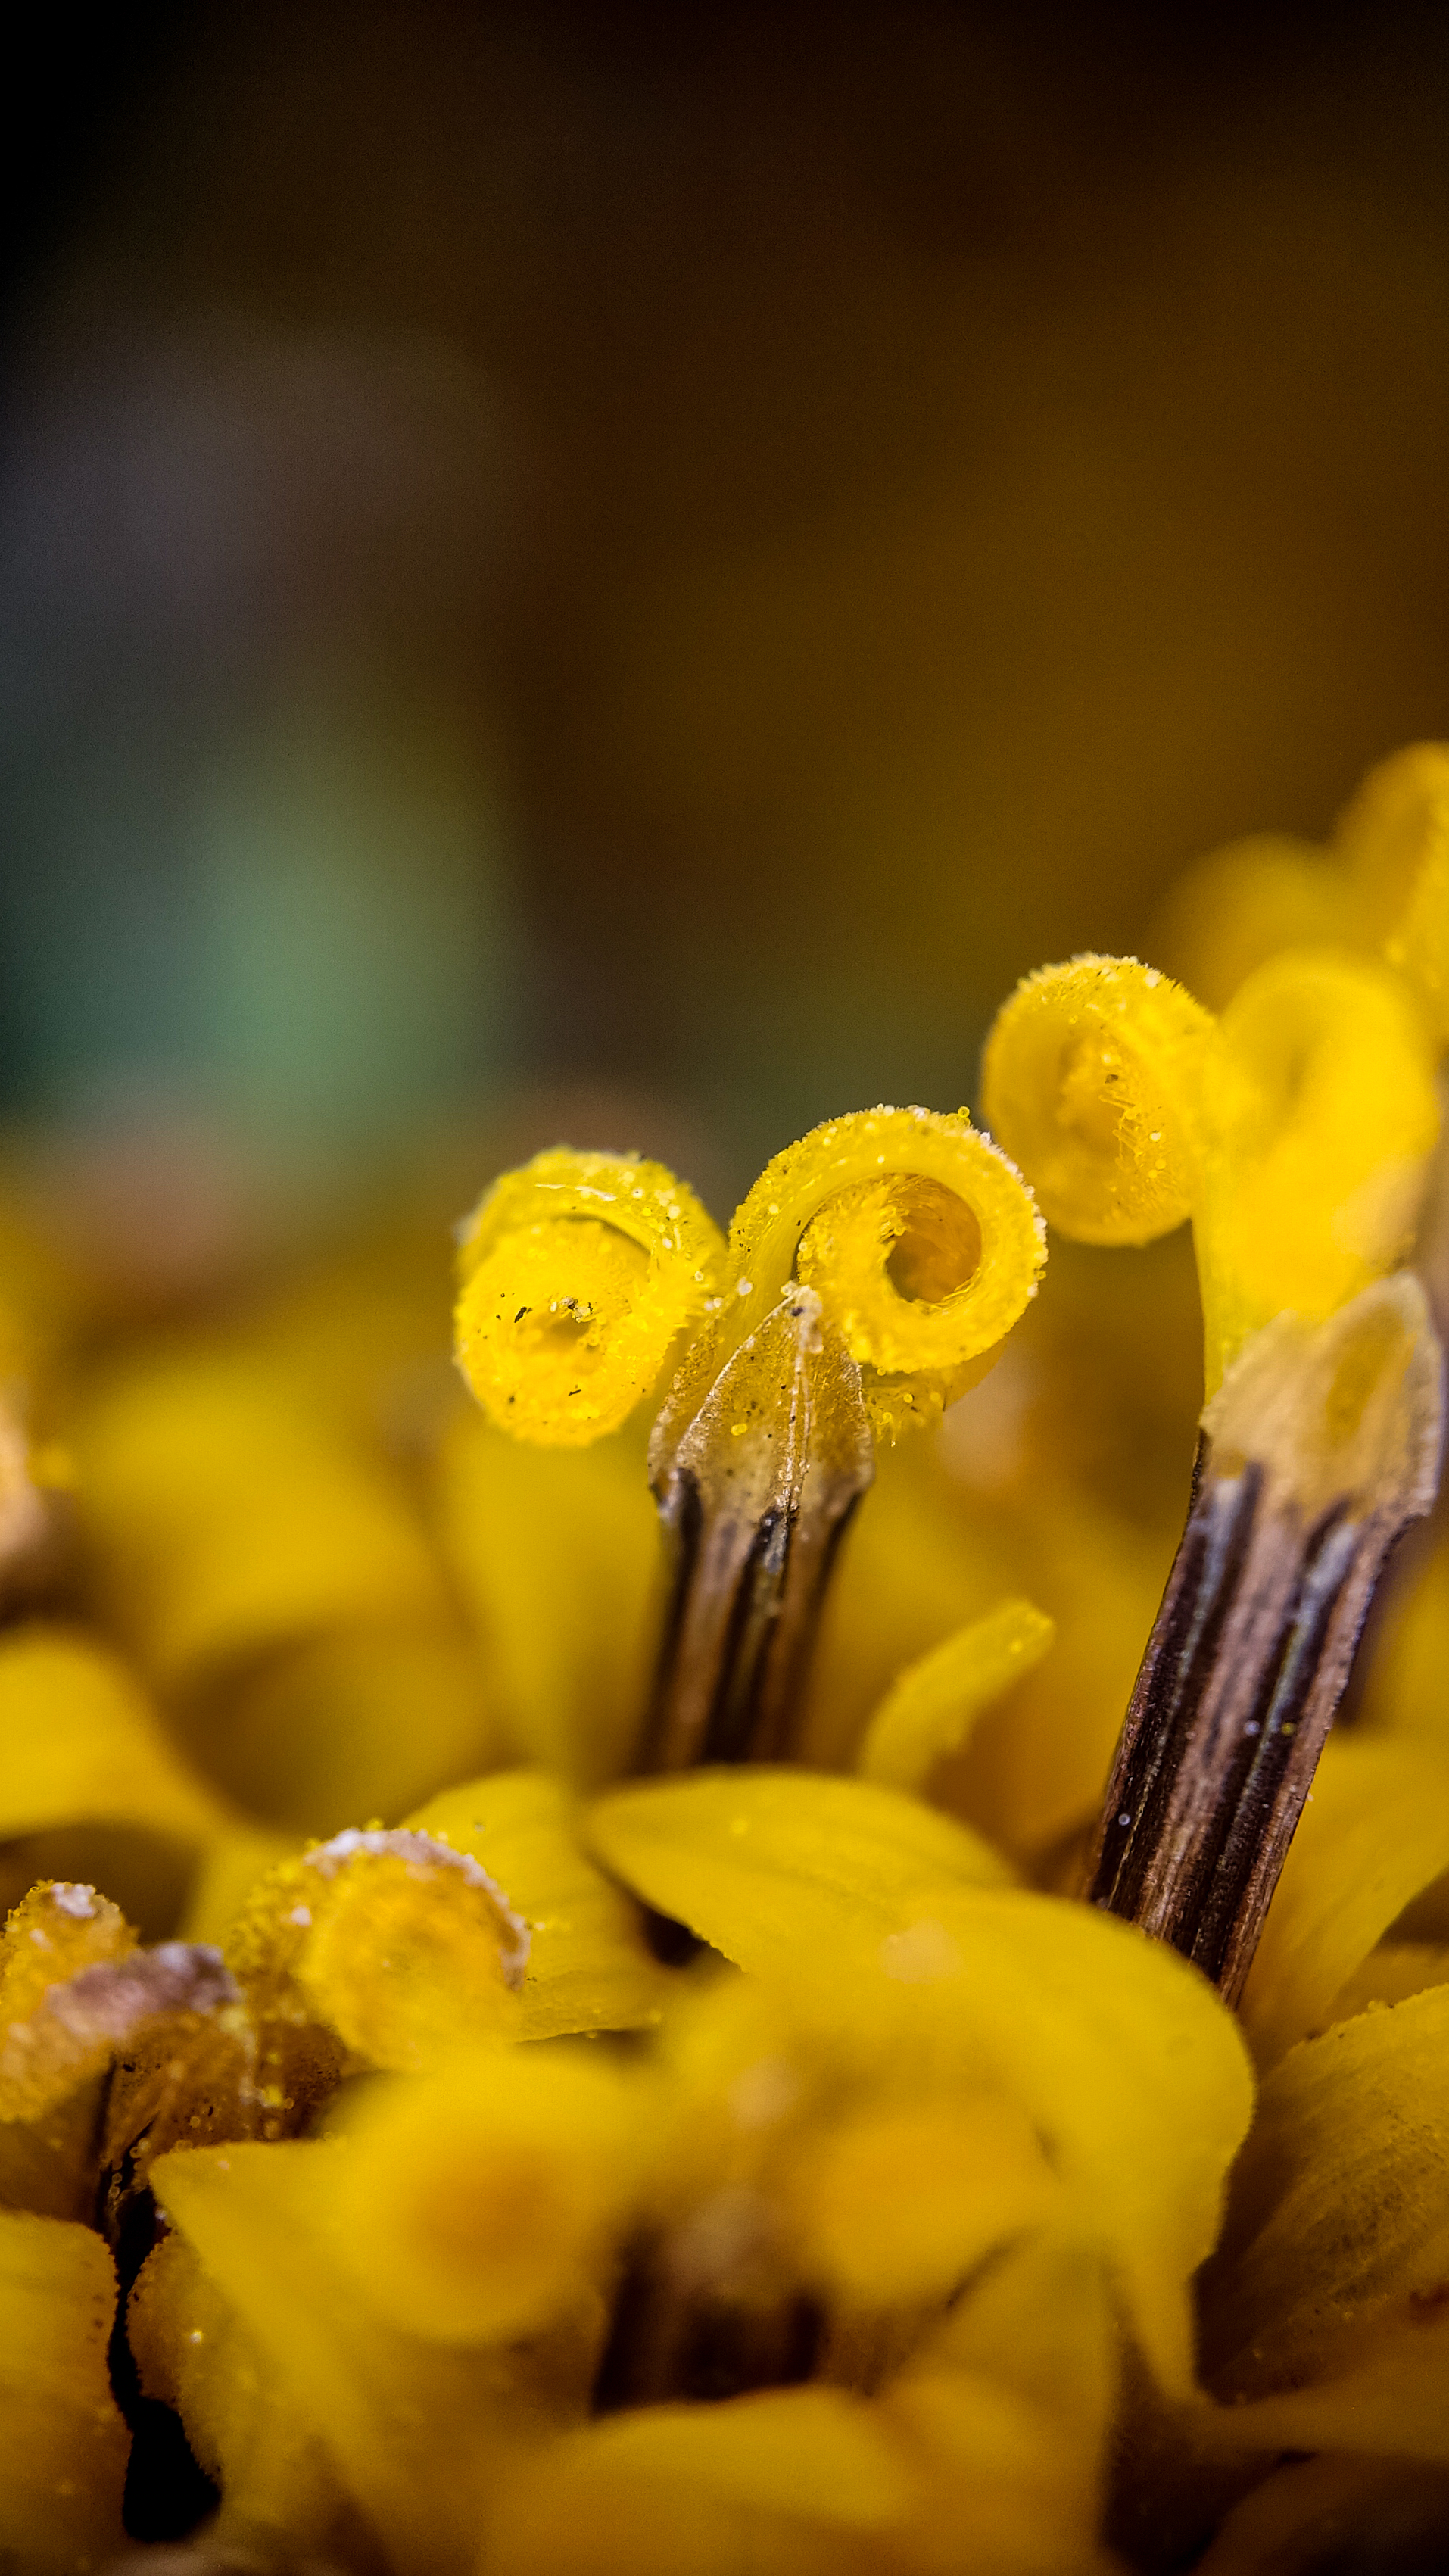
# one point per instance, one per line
(1092, 1077)
(898, 2203)
(578, 1274)
(1294, 1131)
(920, 1238)
(1321, 1110)
(473, 2204)
(1394, 840)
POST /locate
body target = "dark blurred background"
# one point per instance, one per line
(648, 560)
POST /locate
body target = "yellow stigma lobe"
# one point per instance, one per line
(1394, 841)
(1091, 1078)
(1379, 888)
(577, 1275)
(1321, 1109)
(920, 1239)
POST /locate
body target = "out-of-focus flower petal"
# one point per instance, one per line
(556, 1558)
(357, 1721)
(1408, 1685)
(1012, 2402)
(1333, 2513)
(80, 1744)
(790, 2481)
(1036, 1764)
(918, 1569)
(1042, 2321)
(475, 2205)
(227, 1519)
(1134, 2073)
(901, 2201)
(193, 2351)
(1339, 2205)
(62, 2442)
(1375, 1832)
(230, 1868)
(387, 2406)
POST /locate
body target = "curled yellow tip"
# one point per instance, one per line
(920, 1238)
(577, 1274)
(1091, 1078)
(1394, 840)
(1321, 1112)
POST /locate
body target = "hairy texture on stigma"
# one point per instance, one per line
(921, 1239)
(1092, 1076)
(577, 1276)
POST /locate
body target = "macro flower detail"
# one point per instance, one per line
(870, 1276)
(1296, 1131)
(577, 1276)
(597, 1996)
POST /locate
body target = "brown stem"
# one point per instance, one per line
(756, 1490)
(1321, 1447)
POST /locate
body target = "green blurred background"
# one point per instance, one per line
(624, 571)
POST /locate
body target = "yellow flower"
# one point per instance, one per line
(514, 2064)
